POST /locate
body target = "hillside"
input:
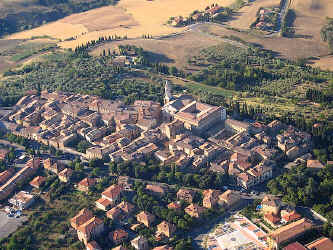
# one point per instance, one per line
(128, 18)
(18, 15)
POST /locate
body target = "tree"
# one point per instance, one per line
(82, 146)
(184, 244)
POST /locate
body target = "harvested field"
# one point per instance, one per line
(247, 15)
(311, 15)
(16, 52)
(8, 44)
(176, 50)
(130, 17)
(112, 17)
(325, 63)
(173, 51)
(291, 48)
(59, 30)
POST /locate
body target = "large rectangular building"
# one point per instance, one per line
(198, 117)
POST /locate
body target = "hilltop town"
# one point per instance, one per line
(184, 136)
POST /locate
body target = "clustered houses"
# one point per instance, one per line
(117, 211)
(26, 172)
(59, 119)
(294, 143)
(211, 12)
(87, 226)
(213, 198)
(57, 168)
(288, 224)
(275, 213)
(173, 134)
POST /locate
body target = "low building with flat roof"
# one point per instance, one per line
(22, 200)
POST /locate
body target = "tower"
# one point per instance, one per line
(167, 92)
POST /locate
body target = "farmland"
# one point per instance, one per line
(16, 52)
(247, 15)
(128, 18)
(18, 15)
(174, 51)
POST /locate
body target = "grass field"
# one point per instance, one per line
(130, 17)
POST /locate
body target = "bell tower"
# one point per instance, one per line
(167, 92)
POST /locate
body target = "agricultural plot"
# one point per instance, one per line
(128, 18)
(248, 14)
(174, 51)
(14, 52)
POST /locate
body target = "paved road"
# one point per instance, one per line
(9, 144)
(9, 225)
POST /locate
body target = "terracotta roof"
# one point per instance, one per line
(314, 164)
(155, 189)
(87, 182)
(291, 230)
(295, 246)
(5, 175)
(321, 244)
(290, 216)
(112, 192)
(165, 247)
(67, 172)
(272, 201)
(114, 213)
(37, 181)
(88, 226)
(245, 177)
(119, 248)
(145, 217)
(126, 206)
(93, 245)
(185, 191)
(211, 192)
(194, 210)
(272, 218)
(83, 216)
(104, 202)
(118, 235)
(174, 205)
(3, 153)
(166, 228)
(230, 197)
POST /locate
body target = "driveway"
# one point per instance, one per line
(9, 225)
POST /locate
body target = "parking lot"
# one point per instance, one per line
(9, 225)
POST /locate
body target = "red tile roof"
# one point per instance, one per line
(87, 182)
(37, 181)
(321, 244)
(112, 192)
(174, 205)
(272, 218)
(88, 226)
(83, 216)
(118, 235)
(295, 246)
(93, 245)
